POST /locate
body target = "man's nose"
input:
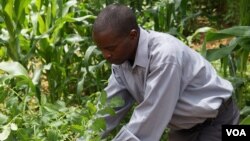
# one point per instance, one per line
(107, 55)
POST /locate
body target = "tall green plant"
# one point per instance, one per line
(63, 47)
(50, 38)
(244, 12)
(13, 14)
(172, 16)
(233, 57)
(24, 117)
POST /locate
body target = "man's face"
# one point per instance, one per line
(116, 49)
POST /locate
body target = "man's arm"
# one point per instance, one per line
(116, 88)
(151, 117)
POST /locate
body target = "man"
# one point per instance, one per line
(174, 86)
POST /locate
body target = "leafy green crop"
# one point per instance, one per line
(24, 116)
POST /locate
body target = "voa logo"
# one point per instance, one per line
(236, 132)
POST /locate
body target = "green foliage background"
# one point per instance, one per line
(52, 75)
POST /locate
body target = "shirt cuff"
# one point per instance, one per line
(125, 135)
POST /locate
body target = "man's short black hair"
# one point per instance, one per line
(121, 19)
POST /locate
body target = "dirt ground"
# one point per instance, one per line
(210, 45)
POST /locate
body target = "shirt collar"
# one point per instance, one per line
(141, 57)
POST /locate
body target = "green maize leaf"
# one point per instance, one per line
(244, 59)
(13, 68)
(200, 30)
(218, 53)
(48, 17)
(13, 45)
(74, 38)
(9, 8)
(212, 36)
(42, 26)
(43, 36)
(80, 85)
(246, 121)
(67, 6)
(87, 56)
(83, 18)
(156, 19)
(22, 4)
(59, 9)
(245, 43)
(59, 23)
(238, 31)
(53, 9)
(58, 26)
(245, 111)
(93, 68)
(38, 4)
(34, 19)
(69, 18)
(9, 24)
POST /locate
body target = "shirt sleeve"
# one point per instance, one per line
(151, 117)
(116, 88)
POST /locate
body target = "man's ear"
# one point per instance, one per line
(133, 34)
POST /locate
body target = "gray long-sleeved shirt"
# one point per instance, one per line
(173, 85)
